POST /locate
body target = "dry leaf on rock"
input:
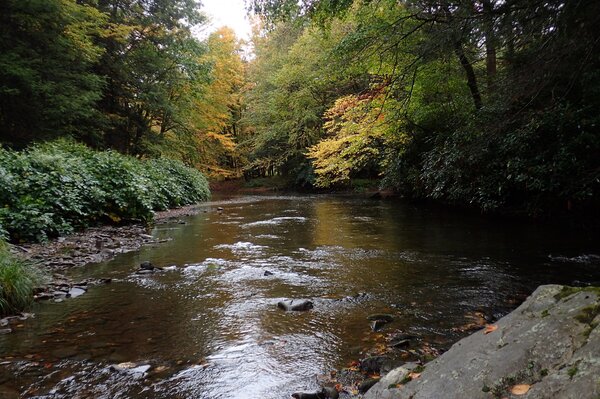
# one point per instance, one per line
(490, 328)
(520, 389)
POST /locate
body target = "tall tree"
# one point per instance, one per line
(151, 57)
(219, 110)
(47, 84)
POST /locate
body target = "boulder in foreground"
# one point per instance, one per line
(549, 347)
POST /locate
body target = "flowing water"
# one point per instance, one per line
(209, 325)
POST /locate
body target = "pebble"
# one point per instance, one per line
(295, 305)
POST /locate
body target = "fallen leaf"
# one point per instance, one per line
(490, 328)
(520, 389)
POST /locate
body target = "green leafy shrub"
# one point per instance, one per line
(53, 188)
(17, 281)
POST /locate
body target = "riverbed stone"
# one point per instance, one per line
(76, 291)
(308, 395)
(367, 384)
(377, 325)
(296, 305)
(331, 393)
(376, 364)
(551, 342)
(146, 265)
(145, 271)
(387, 387)
(387, 318)
(324, 393)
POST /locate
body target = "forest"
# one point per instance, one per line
(485, 104)
(328, 203)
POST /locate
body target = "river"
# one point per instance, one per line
(209, 325)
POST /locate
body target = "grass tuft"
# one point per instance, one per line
(18, 279)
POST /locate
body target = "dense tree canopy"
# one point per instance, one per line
(484, 103)
(479, 102)
(48, 49)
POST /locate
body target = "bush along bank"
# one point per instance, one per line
(54, 188)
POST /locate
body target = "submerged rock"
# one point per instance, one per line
(402, 340)
(367, 384)
(550, 346)
(379, 320)
(145, 271)
(295, 305)
(387, 318)
(267, 273)
(377, 325)
(376, 364)
(331, 392)
(133, 368)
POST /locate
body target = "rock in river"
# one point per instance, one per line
(295, 305)
(388, 318)
(376, 364)
(146, 265)
(75, 292)
(380, 320)
(367, 384)
(325, 393)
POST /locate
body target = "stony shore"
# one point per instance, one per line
(93, 245)
(97, 244)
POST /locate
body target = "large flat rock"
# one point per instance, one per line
(550, 343)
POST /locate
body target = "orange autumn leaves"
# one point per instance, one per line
(520, 389)
(489, 328)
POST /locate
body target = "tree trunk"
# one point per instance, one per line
(490, 45)
(471, 78)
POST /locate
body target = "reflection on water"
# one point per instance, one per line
(209, 326)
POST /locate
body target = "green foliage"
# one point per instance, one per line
(47, 53)
(356, 140)
(492, 107)
(119, 74)
(174, 184)
(295, 85)
(154, 73)
(17, 281)
(53, 188)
